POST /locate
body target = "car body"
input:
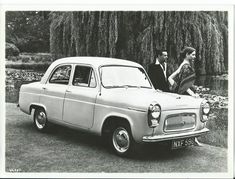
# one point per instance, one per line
(113, 98)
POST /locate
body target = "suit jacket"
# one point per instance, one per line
(157, 77)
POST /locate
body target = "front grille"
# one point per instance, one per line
(180, 122)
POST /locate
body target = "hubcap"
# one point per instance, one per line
(121, 140)
(40, 120)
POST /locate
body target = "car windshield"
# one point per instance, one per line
(124, 76)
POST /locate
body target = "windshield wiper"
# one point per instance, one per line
(133, 86)
(122, 86)
(145, 87)
(130, 86)
(114, 86)
(126, 86)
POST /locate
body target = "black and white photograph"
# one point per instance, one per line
(118, 92)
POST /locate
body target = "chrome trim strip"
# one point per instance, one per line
(158, 138)
(136, 109)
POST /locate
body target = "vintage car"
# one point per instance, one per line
(113, 98)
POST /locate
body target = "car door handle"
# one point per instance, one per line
(44, 88)
(68, 91)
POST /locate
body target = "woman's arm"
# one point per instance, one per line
(191, 93)
(172, 76)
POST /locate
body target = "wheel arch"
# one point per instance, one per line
(112, 121)
(35, 106)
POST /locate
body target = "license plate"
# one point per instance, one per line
(179, 143)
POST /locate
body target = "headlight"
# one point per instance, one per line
(205, 107)
(154, 114)
(155, 111)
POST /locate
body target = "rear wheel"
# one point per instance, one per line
(40, 119)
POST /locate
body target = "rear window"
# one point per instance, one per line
(61, 75)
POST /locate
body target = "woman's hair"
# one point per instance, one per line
(186, 50)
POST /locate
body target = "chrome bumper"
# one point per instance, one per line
(158, 138)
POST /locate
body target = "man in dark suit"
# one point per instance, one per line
(157, 71)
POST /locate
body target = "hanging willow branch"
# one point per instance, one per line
(135, 36)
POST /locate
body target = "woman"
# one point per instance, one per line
(182, 80)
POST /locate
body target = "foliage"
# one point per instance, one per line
(11, 50)
(135, 36)
(33, 61)
(218, 125)
(28, 30)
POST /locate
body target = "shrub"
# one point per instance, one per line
(218, 125)
(11, 50)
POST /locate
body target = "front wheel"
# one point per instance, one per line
(40, 119)
(122, 141)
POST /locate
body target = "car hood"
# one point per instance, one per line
(140, 99)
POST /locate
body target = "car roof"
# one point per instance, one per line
(95, 61)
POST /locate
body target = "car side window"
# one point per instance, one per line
(61, 75)
(84, 76)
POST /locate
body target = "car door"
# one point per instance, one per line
(54, 91)
(80, 97)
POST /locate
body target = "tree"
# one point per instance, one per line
(135, 36)
(28, 30)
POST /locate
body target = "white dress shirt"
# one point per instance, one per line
(163, 68)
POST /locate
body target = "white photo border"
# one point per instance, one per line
(117, 7)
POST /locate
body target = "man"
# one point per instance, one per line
(158, 71)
